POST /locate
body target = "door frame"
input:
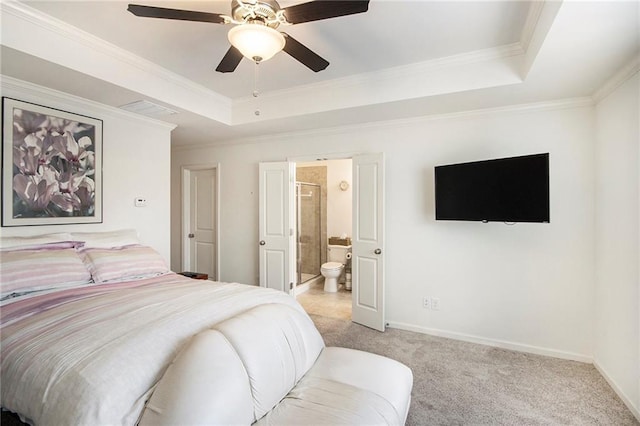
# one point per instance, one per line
(345, 156)
(185, 173)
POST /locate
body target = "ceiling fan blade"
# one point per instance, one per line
(182, 15)
(323, 9)
(303, 54)
(230, 61)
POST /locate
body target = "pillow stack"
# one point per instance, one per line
(31, 265)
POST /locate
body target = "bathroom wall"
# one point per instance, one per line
(339, 202)
(336, 203)
(314, 173)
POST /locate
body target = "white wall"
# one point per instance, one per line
(617, 319)
(528, 286)
(136, 162)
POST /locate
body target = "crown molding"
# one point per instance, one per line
(618, 79)
(540, 19)
(480, 69)
(44, 93)
(33, 16)
(402, 72)
(507, 54)
(558, 104)
(530, 23)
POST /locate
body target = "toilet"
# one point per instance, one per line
(336, 259)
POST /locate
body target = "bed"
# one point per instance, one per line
(96, 330)
(86, 352)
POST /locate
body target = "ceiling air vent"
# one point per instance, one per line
(148, 108)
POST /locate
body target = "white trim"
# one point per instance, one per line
(64, 29)
(530, 24)
(185, 176)
(580, 102)
(322, 158)
(535, 33)
(393, 74)
(185, 210)
(499, 66)
(634, 410)
(493, 342)
(618, 79)
(74, 102)
(102, 58)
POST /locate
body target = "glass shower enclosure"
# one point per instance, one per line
(308, 216)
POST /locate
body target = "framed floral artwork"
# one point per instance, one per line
(51, 166)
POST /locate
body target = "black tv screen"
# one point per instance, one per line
(514, 189)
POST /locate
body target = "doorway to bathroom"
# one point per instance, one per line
(323, 214)
(277, 233)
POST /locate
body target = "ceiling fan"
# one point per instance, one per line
(254, 35)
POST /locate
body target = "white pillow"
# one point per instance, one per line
(109, 239)
(34, 240)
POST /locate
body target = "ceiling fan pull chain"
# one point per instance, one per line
(255, 87)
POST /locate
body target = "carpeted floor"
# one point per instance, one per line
(460, 383)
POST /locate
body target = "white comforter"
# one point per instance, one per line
(92, 355)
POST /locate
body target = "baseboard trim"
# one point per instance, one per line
(493, 342)
(634, 410)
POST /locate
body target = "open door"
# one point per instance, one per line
(277, 226)
(368, 241)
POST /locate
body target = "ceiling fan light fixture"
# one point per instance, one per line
(256, 41)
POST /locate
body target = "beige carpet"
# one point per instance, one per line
(460, 383)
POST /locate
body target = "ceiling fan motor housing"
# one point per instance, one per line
(262, 10)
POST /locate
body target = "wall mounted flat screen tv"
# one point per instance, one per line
(514, 189)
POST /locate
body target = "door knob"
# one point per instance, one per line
(377, 251)
(262, 242)
(192, 235)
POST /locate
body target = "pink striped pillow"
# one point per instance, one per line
(46, 246)
(123, 263)
(41, 268)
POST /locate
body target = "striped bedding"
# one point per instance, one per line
(39, 269)
(92, 355)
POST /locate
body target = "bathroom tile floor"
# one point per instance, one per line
(333, 305)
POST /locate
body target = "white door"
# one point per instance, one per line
(277, 226)
(200, 229)
(367, 264)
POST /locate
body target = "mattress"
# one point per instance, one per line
(93, 354)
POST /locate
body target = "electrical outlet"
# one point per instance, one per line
(426, 303)
(435, 303)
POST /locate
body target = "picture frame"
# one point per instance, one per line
(51, 166)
